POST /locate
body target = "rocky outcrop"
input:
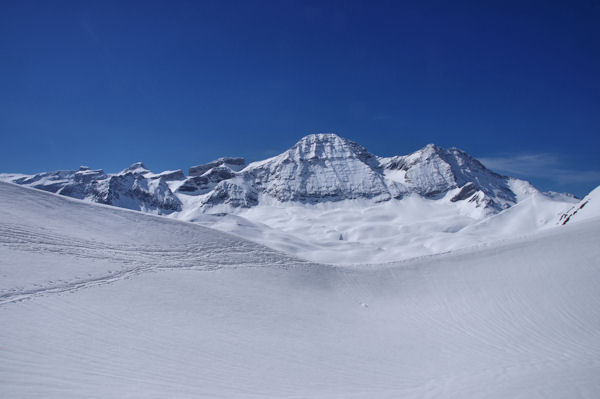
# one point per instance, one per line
(134, 187)
(234, 164)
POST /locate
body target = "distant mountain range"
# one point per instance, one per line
(318, 168)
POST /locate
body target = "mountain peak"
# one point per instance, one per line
(320, 137)
(433, 147)
(429, 150)
(135, 168)
(322, 146)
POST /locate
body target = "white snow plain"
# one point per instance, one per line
(99, 302)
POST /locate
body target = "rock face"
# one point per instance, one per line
(318, 168)
(433, 171)
(235, 164)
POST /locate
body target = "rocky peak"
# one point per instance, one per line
(136, 168)
(319, 167)
(433, 171)
(323, 146)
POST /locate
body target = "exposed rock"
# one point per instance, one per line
(235, 164)
(168, 175)
(132, 188)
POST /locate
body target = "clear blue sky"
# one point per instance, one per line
(178, 83)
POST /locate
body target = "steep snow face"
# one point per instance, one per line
(134, 187)
(588, 207)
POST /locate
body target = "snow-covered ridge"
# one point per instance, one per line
(587, 208)
(318, 168)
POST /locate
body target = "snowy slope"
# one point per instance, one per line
(196, 319)
(53, 243)
(588, 207)
(348, 232)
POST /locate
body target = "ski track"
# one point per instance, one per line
(129, 260)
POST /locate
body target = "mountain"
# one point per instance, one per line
(328, 168)
(134, 187)
(434, 171)
(318, 168)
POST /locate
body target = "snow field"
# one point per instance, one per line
(515, 319)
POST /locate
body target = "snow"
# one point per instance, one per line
(382, 232)
(588, 207)
(173, 309)
(39, 230)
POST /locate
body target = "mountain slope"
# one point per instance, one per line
(134, 187)
(588, 207)
(433, 171)
(513, 320)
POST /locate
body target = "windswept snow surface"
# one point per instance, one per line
(100, 302)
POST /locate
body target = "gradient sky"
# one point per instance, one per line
(178, 83)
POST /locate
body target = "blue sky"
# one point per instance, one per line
(178, 83)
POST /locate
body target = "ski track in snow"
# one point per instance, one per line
(136, 259)
(204, 250)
